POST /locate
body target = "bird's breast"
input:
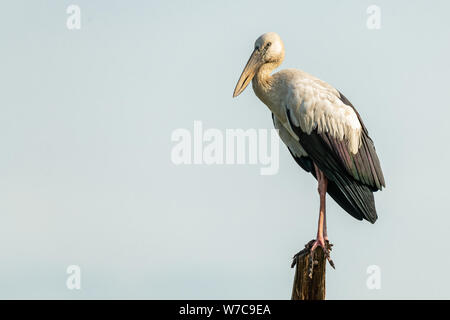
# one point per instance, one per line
(275, 98)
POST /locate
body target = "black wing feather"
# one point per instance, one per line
(343, 196)
(364, 165)
(352, 177)
(355, 193)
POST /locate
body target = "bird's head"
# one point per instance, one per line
(269, 49)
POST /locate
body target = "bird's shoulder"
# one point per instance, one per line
(313, 104)
(302, 82)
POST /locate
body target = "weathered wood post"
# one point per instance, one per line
(309, 284)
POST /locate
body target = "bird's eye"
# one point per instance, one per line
(268, 44)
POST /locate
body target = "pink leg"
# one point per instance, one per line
(325, 235)
(321, 228)
(322, 237)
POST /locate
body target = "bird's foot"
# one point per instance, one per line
(310, 247)
(326, 247)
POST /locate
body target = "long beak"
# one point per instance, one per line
(249, 72)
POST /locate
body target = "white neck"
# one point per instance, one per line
(262, 82)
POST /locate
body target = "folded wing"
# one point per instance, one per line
(330, 133)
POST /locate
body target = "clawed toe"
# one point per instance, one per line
(310, 247)
(326, 247)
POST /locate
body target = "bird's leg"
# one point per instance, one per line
(325, 235)
(322, 190)
(322, 237)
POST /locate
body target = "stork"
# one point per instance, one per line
(322, 130)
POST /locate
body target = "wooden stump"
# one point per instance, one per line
(306, 287)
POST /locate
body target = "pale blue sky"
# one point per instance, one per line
(86, 176)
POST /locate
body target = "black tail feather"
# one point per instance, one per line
(352, 196)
